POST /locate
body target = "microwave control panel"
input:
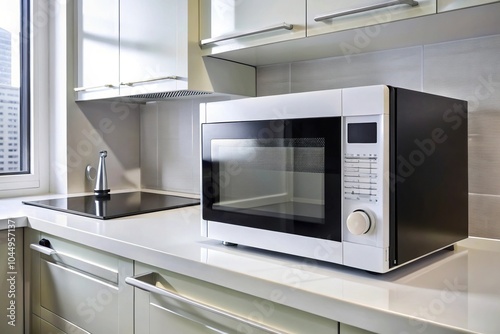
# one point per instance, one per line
(364, 160)
(361, 177)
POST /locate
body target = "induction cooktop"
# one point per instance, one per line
(115, 205)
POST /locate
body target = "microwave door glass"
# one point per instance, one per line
(281, 178)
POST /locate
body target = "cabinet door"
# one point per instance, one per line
(329, 16)
(446, 5)
(235, 24)
(346, 329)
(181, 304)
(39, 326)
(97, 49)
(80, 289)
(152, 35)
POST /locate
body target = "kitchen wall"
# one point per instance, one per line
(170, 144)
(169, 149)
(111, 126)
(465, 69)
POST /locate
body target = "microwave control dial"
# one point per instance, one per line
(358, 222)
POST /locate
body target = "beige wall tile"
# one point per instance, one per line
(399, 67)
(170, 144)
(149, 146)
(273, 79)
(484, 213)
(484, 152)
(466, 69)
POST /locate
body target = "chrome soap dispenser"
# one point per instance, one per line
(101, 183)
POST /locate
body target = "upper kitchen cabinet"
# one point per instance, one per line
(330, 16)
(237, 24)
(445, 5)
(97, 54)
(153, 36)
(153, 52)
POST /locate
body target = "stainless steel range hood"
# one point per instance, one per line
(207, 76)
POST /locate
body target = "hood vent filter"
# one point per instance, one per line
(167, 95)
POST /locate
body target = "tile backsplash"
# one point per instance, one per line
(170, 145)
(465, 69)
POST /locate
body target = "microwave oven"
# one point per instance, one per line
(370, 177)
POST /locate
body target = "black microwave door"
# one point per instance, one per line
(277, 175)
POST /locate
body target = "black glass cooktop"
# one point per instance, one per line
(115, 205)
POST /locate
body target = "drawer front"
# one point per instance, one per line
(201, 307)
(329, 16)
(81, 299)
(235, 24)
(82, 288)
(40, 326)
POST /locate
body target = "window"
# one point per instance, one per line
(14, 85)
(26, 24)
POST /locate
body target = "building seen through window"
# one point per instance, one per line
(14, 109)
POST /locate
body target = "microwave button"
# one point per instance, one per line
(364, 165)
(364, 180)
(365, 171)
(350, 196)
(351, 179)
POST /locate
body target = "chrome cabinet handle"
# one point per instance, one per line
(324, 17)
(280, 26)
(81, 89)
(42, 249)
(146, 282)
(131, 83)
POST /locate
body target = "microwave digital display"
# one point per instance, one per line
(362, 133)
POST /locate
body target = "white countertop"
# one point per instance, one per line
(448, 292)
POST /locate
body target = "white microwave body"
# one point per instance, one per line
(346, 176)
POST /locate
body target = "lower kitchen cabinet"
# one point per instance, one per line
(166, 302)
(75, 289)
(346, 329)
(78, 289)
(40, 326)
